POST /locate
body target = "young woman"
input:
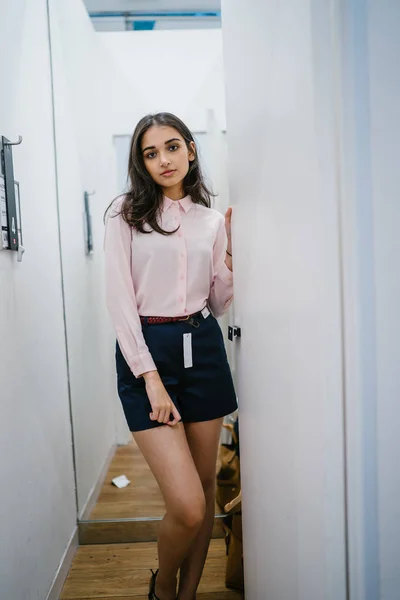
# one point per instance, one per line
(168, 264)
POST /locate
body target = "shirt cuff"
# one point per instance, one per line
(141, 364)
(225, 274)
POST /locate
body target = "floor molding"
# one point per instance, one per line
(64, 567)
(126, 531)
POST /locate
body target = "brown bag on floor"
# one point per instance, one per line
(228, 473)
(234, 576)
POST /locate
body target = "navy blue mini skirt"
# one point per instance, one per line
(201, 392)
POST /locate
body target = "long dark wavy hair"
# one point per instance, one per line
(141, 205)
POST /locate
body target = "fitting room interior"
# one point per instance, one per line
(295, 111)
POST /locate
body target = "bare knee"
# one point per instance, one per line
(191, 513)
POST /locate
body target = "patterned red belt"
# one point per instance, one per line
(158, 320)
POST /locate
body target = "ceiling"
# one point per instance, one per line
(122, 15)
(153, 5)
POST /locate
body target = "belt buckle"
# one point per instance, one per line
(185, 318)
(194, 323)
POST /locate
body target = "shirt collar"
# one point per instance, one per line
(186, 203)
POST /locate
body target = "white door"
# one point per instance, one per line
(283, 188)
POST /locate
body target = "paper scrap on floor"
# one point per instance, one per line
(121, 481)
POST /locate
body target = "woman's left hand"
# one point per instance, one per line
(228, 227)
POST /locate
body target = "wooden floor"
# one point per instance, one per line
(141, 498)
(121, 572)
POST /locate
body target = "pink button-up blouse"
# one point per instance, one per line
(150, 274)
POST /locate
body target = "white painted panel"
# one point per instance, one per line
(384, 85)
(281, 143)
(85, 162)
(37, 500)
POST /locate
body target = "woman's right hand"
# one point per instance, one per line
(161, 404)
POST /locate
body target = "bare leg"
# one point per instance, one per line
(168, 455)
(203, 439)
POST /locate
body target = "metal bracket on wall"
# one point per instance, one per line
(88, 223)
(234, 332)
(11, 207)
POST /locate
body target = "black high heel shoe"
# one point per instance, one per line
(152, 588)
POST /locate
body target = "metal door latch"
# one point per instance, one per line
(234, 332)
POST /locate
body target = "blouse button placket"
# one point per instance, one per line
(182, 267)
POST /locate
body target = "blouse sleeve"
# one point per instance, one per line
(221, 293)
(120, 294)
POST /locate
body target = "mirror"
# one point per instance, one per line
(103, 84)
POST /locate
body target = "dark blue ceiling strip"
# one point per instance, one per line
(151, 15)
(143, 25)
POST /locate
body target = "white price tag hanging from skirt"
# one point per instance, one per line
(187, 350)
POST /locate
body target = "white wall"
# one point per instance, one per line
(384, 52)
(319, 100)
(281, 146)
(84, 76)
(175, 71)
(371, 213)
(37, 502)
